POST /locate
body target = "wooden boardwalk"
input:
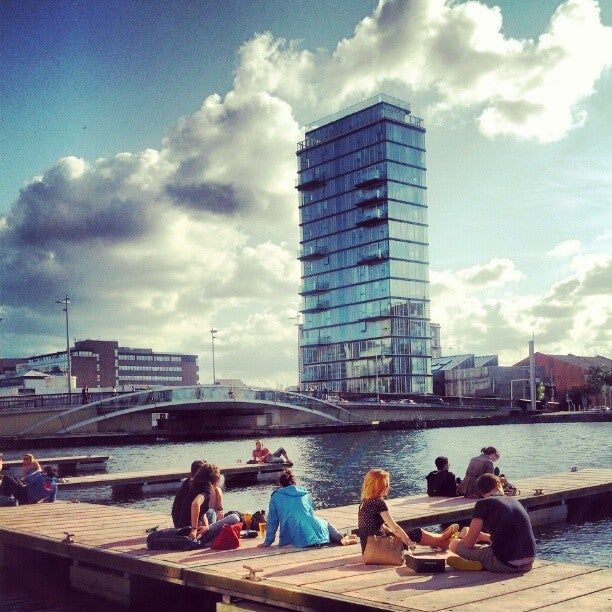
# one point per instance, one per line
(160, 480)
(108, 557)
(558, 492)
(65, 465)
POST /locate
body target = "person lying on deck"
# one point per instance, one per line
(263, 455)
(508, 529)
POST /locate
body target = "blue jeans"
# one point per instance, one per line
(334, 535)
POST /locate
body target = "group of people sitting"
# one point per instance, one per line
(508, 545)
(35, 484)
(442, 482)
(499, 537)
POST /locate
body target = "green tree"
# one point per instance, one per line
(596, 378)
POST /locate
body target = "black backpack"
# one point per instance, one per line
(258, 517)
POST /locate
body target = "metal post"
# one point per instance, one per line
(532, 389)
(377, 385)
(299, 356)
(66, 301)
(213, 331)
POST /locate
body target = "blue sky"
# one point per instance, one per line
(109, 117)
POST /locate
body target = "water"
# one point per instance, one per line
(332, 466)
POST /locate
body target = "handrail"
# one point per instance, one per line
(166, 396)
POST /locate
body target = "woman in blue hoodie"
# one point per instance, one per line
(291, 509)
(38, 486)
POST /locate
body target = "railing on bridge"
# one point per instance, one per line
(50, 400)
(164, 398)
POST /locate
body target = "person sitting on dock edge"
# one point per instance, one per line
(263, 455)
(374, 518)
(182, 493)
(441, 482)
(482, 464)
(504, 522)
(195, 510)
(291, 512)
(39, 486)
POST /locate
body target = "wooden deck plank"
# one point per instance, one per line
(334, 576)
(421, 510)
(599, 601)
(574, 588)
(494, 587)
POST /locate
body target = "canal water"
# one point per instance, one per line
(332, 466)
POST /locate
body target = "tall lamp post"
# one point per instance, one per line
(65, 302)
(213, 331)
(297, 325)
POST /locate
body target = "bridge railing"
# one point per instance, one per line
(166, 396)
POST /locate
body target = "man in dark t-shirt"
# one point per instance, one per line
(441, 482)
(503, 522)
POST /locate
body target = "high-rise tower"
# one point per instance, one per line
(364, 251)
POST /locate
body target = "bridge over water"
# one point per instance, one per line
(193, 409)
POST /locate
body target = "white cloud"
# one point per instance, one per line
(565, 248)
(155, 246)
(574, 315)
(455, 52)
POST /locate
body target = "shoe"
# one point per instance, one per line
(464, 565)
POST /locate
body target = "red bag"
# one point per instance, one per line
(228, 538)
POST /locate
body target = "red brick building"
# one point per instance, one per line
(103, 363)
(568, 372)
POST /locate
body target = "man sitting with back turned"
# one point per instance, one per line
(513, 547)
(441, 482)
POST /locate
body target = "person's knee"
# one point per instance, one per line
(231, 519)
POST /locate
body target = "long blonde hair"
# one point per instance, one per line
(374, 484)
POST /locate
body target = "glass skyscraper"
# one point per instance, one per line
(364, 251)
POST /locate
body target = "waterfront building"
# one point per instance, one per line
(471, 375)
(103, 363)
(364, 252)
(436, 341)
(569, 375)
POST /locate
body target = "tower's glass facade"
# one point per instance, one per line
(364, 251)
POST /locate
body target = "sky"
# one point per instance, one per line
(147, 156)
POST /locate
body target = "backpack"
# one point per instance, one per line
(258, 517)
(172, 539)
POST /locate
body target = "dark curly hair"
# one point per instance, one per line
(207, 476)
(286, 479)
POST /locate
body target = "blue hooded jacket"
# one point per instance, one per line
(39, 487)
(291, 508)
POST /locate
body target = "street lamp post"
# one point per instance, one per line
(297, 325)
(213, 331)
(65, 302)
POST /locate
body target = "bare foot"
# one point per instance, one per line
(349, 539)
(446, 536)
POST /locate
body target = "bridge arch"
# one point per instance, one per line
(189, 397)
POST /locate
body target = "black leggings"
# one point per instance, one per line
(11, 486)
(415, 535)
